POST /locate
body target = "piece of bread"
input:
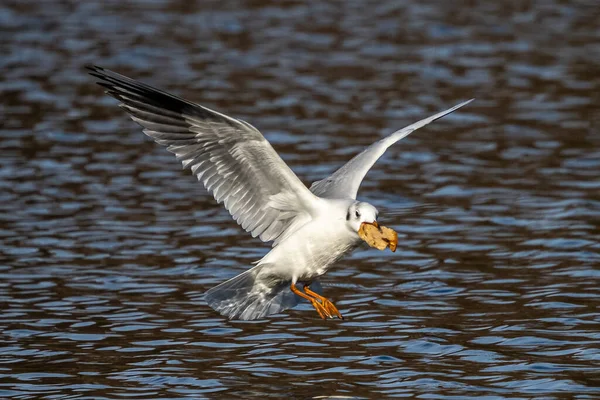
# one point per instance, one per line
(379, 237)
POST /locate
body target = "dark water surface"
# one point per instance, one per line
(106, 246)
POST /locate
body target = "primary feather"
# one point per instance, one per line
(229, 156)
(344, 182)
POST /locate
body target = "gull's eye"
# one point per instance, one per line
(357, 214)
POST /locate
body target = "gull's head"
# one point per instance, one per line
(362, 219)
(361, 213)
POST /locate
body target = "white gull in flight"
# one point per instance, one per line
(310, 229)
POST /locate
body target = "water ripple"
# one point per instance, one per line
(106, 247)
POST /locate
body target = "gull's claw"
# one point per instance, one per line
(321, 309)
(324, 307)
(323, 312)
(326, 303)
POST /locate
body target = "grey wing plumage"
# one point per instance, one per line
(229, 156)
(344, 182)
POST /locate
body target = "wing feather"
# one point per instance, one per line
(230, 157)
(344, 182)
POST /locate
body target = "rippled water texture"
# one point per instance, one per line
(106, 246)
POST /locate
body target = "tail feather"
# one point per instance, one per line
(253, 294)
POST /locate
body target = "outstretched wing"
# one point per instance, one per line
(230, 157)
(344, 182)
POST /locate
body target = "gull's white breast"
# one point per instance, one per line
(315, 247)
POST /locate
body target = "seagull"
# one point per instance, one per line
(310, 229)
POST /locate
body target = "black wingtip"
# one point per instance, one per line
(93, 68)
(133, 92)
(126, 89)
(97, 72)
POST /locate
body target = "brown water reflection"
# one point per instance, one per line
(106, 247)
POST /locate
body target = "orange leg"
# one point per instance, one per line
(327, 304)
(318, 306)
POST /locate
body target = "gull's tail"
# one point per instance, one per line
(253, 294)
